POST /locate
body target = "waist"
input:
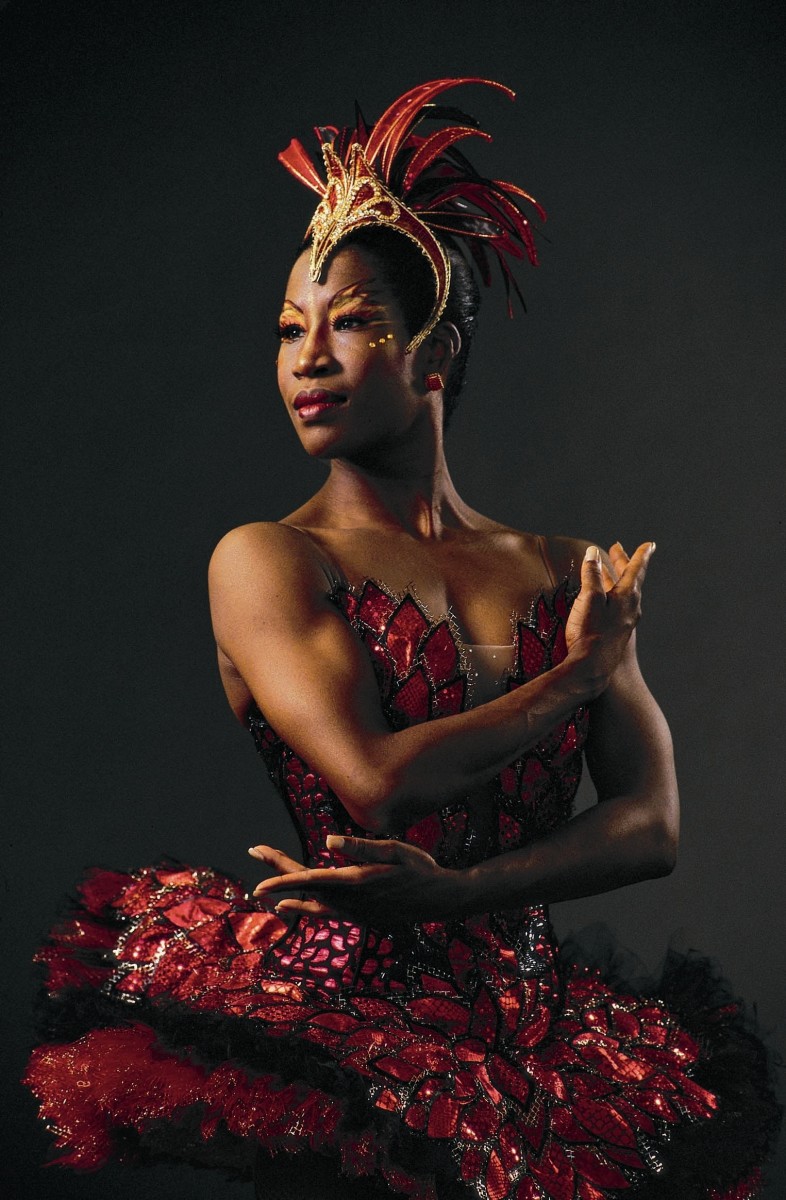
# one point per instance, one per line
(339, 957)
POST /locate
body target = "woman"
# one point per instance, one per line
(407, 1020)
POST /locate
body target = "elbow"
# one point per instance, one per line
(664, 841)
(663, 861)
(371, 817)
(373, 801)
(650, 832)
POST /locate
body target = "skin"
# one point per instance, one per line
(389, 511)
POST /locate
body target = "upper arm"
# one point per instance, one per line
(629, 748)
(307, 670)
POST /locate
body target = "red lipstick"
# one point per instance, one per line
(311, 404)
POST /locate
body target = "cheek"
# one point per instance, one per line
(397, 367)
(387, 357)
(281, 367)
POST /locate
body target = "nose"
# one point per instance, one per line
(313, 358)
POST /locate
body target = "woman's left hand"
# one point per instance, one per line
(398, 884)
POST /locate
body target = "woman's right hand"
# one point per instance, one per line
(605, 613)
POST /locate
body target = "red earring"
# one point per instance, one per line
(434, 382)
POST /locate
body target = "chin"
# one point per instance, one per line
(320, 443)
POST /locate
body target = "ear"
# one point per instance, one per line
(441, 347)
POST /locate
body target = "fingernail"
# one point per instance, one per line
(256, 853)
(334, 842)
(592, 554)
(652, 547)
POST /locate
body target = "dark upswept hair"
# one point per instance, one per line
(411, 280)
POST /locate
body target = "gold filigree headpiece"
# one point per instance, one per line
(390, 176)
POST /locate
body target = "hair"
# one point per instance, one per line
(411, 280)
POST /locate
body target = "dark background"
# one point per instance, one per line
(147, 234)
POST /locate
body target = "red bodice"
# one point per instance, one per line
(422, 675)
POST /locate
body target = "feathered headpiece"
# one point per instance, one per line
(387, 174)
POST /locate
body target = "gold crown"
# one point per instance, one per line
(355, 196)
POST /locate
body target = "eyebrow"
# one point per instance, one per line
(349, 293)
(345, 295)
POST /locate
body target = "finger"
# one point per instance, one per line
(619, 558)
(282, 883)
(384, 850)
(609, 580)
(275, 858)
(638, 563)
(310, 880)
(312, 907)
(592, 572)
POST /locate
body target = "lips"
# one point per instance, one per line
(312, 404)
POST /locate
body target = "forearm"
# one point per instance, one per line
(419, 769)
(622, 840)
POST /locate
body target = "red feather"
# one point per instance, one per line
(391, 130)
(511, 187)
(298, 163)
(433, 146)
(496, 206)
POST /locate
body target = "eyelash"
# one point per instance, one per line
(358, 318)
(291, 331)
(287, 333)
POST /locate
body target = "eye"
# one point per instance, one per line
(349, 321)
(289, 332)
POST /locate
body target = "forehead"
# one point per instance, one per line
(350, 272)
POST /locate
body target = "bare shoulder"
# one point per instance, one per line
(505, 537)
(257, 565)
(562, 556)
(565, 556)
(271, 544)
(268, 581)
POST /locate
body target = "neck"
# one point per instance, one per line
(405, 487)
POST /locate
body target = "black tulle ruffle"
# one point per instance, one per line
(735, 1064)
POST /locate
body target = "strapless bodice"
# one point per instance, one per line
(425, 672)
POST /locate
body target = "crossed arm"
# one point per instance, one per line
(298, 657)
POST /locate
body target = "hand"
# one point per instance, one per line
(398, 885)
(605, 612)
